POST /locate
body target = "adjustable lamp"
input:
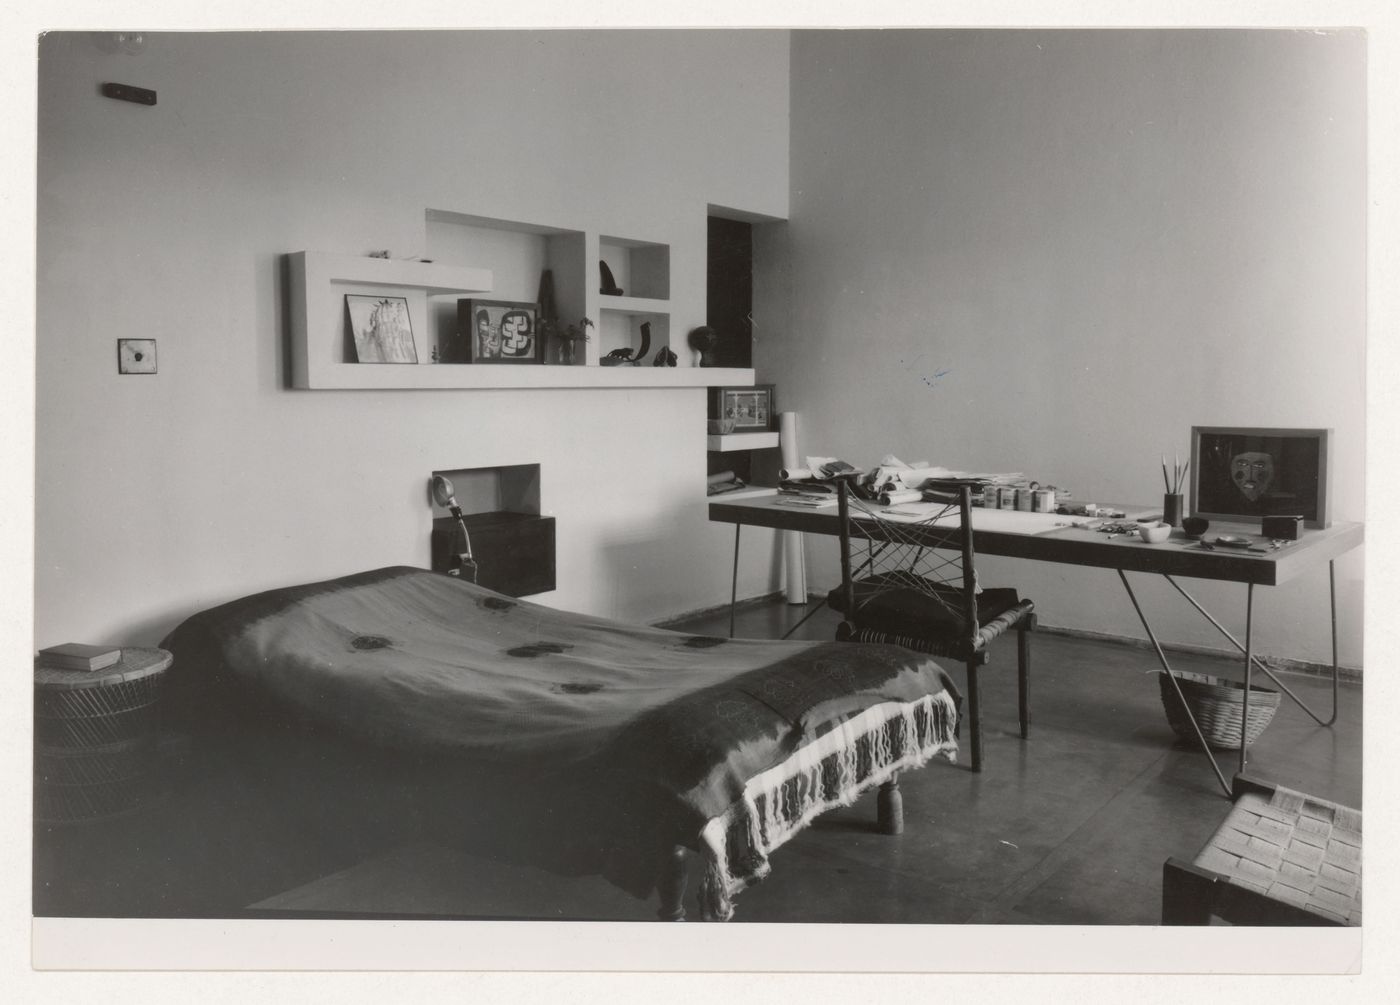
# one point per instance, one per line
(461, 564)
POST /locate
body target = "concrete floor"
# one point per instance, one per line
(1069, 827)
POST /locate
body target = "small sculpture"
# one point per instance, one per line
(609, 287)
(664, 357)
(624, 357)
(702, 343)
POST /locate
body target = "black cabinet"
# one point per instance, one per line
(514, 552)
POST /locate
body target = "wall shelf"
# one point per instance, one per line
(322, 357)
(740, 441)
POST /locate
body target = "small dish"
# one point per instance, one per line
(1195, 526)
(1233, 541)
(1154, 533)
(721, 427)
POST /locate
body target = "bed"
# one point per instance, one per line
(616, 747)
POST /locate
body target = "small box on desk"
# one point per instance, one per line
(1283, 528)
(514, 552)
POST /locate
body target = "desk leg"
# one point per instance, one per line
(1166, 667)
(734, 580)
(1336, 670)
(1248, 667)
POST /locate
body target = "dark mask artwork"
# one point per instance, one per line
(1252, 472)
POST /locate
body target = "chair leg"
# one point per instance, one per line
(1187, 894)
(1023, 679)
(974, 717)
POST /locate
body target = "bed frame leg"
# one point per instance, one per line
(889, 807)
(671, 884)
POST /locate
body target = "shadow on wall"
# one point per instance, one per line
(650, 563)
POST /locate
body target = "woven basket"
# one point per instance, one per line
(1218, 706)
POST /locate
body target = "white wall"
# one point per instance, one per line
(157, 496)
(1099, 239)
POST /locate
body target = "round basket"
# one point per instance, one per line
(1218, 707)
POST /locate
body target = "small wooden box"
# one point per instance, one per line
(514, 551)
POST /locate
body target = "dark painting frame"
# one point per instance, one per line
(1245, 473)
(490, 341)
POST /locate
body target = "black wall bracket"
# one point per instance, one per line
(127, 92)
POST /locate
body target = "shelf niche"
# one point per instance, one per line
(519, 254)
(513, 545)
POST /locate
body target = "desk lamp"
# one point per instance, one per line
(461, 564)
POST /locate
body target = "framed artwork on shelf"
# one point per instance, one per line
(381, 329)
(751, 408)
(499, 331)
(1246, 473)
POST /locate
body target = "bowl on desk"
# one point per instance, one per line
(721, 427)
(1154, 531)
(1195, 526)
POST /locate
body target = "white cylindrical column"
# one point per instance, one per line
(794, 566)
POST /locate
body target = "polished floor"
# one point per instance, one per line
(1069, 827)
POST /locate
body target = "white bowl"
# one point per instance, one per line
(1155, 532)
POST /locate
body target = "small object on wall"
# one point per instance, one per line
(136, 355)
(609, 285)
(664, 357)
(382, 329)
(128, 92)
(379, 254)
(702, 344)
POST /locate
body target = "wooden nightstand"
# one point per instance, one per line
(95, 737)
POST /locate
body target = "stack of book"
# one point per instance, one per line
(79, 656)
(807, 494)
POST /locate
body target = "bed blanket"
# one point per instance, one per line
(655, 733)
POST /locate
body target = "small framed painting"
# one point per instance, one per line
(1244, 473)
(381, 329)
(499, 331)
(751, 408)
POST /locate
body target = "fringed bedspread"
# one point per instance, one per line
(639, 738)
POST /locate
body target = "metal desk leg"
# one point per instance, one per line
(1166, 667)
(1248, 666)
(1336, 669)
(734, 580)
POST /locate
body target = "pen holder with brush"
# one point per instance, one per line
(1172, 508)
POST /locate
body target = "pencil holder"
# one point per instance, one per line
(1172, 509)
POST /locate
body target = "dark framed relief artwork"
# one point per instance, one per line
(1244, 473)
(499, 331)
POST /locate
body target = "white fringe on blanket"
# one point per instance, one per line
(835, 769)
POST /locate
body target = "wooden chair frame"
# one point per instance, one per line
(970, 650)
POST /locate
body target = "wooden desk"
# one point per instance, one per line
(1070, 545)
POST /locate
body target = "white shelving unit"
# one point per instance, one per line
(740, 441)
(323, 357)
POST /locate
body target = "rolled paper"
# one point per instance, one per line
(794, 566)
(900, 497)
(794, 474)
(720, 477)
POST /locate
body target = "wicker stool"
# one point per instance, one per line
(95, 738)
(1280, 858)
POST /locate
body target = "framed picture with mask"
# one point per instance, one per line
(498, 331)
(1245, 473)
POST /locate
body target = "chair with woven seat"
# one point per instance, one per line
(1279, 858)
(914, 584)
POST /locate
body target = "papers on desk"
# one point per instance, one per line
(1001, 521)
